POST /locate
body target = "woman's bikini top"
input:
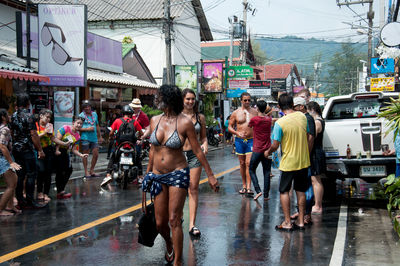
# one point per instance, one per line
(173, 142)
(197, 126)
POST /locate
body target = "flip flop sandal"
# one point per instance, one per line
(298, 227)
(250, 192)
(192, 232)
(243, 191)
(294, 216)
(283, 229)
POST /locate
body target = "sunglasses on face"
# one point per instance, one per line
(59, 55)
(247, 100)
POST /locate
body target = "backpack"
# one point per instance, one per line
(126, 132)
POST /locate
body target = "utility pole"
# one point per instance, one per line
(370, 17)
(231, 32)
(167, 32)
(244, 33)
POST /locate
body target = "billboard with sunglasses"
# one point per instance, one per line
(62, 44)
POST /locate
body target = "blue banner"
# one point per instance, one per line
(382, 66)
(234, 93)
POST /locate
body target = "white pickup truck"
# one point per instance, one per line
(351, 120)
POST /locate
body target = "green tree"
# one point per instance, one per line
(259, 54)
(343, 70)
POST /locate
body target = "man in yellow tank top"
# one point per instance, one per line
(290, 132)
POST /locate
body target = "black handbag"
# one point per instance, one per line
(147, 224)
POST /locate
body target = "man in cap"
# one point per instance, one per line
(290, 132)
(90, 137)
(143, 121)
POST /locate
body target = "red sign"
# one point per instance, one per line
(260, 83)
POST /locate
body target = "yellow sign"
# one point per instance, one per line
(382, 84)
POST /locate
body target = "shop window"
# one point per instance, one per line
(105, 93)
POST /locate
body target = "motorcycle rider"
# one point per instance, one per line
(127, 117)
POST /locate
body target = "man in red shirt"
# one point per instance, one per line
(127, 112)
(143, 120)
(261, 125)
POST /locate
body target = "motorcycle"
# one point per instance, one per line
(213, 136)
(145, 148)
(125, 168)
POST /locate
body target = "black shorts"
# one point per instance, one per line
(299, 179)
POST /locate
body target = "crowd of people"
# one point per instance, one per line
(177, 155)
(298, 133)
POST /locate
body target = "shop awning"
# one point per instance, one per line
(10, 74)
(122, 79)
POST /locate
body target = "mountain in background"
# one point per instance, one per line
(304, 53)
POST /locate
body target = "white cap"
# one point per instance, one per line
(299, 101)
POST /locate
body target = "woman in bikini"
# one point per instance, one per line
(7, 167)
(190, 110)
(168, 174)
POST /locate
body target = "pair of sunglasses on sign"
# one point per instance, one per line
(59, 55)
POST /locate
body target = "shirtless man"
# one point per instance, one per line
(244, 138)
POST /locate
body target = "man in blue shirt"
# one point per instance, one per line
(90, 137)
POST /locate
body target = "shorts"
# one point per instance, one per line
(299, 179)
(4, 165)
(243, 146)
(318, 162)
(191, 159)
(88, 145)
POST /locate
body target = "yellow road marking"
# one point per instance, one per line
(84, 227)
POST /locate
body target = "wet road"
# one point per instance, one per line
(98, 227)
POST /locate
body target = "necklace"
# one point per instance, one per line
(91, 122)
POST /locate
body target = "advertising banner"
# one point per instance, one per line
(259, 83)
(382, 66)
(238, 83)
(62, 44)
(259, 92)
(278, 84)
(186, 77)
(382, 84)
(234, 92)
(104, 53)
(235, 72)
(63, 108)
(212, 77)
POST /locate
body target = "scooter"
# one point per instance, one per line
(125, 170)
(213, 136)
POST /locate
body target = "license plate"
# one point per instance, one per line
(373, 170)
(126, 160)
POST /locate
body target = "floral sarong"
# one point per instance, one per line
(178, 178)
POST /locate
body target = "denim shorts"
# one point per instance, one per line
(4, 165)
(88, 145)
(191, 159)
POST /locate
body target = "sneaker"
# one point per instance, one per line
(105, 181)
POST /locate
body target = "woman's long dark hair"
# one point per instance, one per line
(196, 104)
(171, 98)
(3, 113)
(313, 106)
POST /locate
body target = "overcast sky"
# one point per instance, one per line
(303, 18)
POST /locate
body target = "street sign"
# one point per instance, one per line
(382, 66)
(259, 92)
(235, 72)
(234, 92)
(238, 83)
(382, 84)
(260, 84)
